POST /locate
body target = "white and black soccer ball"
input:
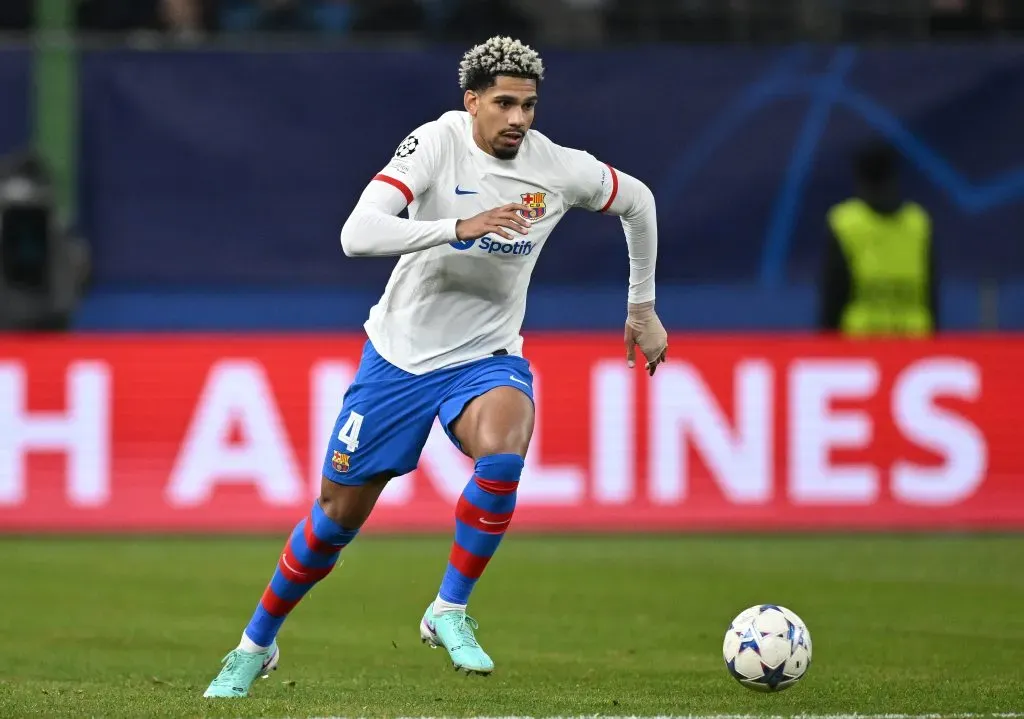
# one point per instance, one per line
(767, 648)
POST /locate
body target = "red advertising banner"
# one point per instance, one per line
(224, 433)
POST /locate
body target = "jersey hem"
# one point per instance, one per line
(388, 357)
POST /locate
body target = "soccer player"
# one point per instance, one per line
(484, 193)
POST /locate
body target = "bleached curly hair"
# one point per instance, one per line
(498, 56)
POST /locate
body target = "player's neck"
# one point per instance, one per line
(483, 146)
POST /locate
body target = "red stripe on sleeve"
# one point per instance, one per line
(615, 189)
(397, 184)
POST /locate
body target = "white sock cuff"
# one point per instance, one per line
(441, 606)
(248, 645)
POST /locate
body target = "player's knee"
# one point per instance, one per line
(332, 501)
(498, 473)
(498, 422)
(350, 505)
(512, 439)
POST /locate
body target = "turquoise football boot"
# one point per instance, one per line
(240, 671)
(454, 632)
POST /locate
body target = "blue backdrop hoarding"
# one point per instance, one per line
(15, 99)
(236, 168)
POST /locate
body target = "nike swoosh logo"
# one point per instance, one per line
(516, 379)
(501, 521)
(284, 559)
(460, 191)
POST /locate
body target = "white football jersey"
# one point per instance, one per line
(462, 301)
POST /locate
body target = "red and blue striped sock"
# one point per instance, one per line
(482, 516)
(309, 555)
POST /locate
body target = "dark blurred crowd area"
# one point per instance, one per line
(565, 21)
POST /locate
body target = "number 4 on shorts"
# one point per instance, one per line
(349, 433)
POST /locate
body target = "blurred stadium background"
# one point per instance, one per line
(191, 323)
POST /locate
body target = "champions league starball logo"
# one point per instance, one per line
(407, 147)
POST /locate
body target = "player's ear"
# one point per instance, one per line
(472, 102)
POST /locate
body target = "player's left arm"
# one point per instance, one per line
(602, 188)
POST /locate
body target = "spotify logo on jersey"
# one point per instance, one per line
(494, 246)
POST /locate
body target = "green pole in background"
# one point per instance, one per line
(55, 98)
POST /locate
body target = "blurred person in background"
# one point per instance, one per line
(287, 16)
(975, 18)
(388, 17)
(467, 20)
(879, 273)
(191, 19)
(44, 267)
(186, 19)
(568, 20)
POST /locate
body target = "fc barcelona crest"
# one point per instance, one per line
(535, 201)
(339, 461)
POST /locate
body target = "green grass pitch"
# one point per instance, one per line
(628, 626)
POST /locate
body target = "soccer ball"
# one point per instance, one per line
(767, 648)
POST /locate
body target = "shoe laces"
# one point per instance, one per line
(231, 662)
(464, 627)
(225, 675)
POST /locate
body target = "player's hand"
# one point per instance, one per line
(499, 221)
(644, 329)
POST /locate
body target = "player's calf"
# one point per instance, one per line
(495, 429)
(482, 516)
(309, 555)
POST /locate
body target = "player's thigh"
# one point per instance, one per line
(384, 422)
(491, 410)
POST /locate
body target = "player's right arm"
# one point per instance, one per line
(373, 229)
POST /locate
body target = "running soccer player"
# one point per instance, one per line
(484, 193)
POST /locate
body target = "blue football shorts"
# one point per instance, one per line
(387, 413)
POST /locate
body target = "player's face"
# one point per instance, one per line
(502, 115)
